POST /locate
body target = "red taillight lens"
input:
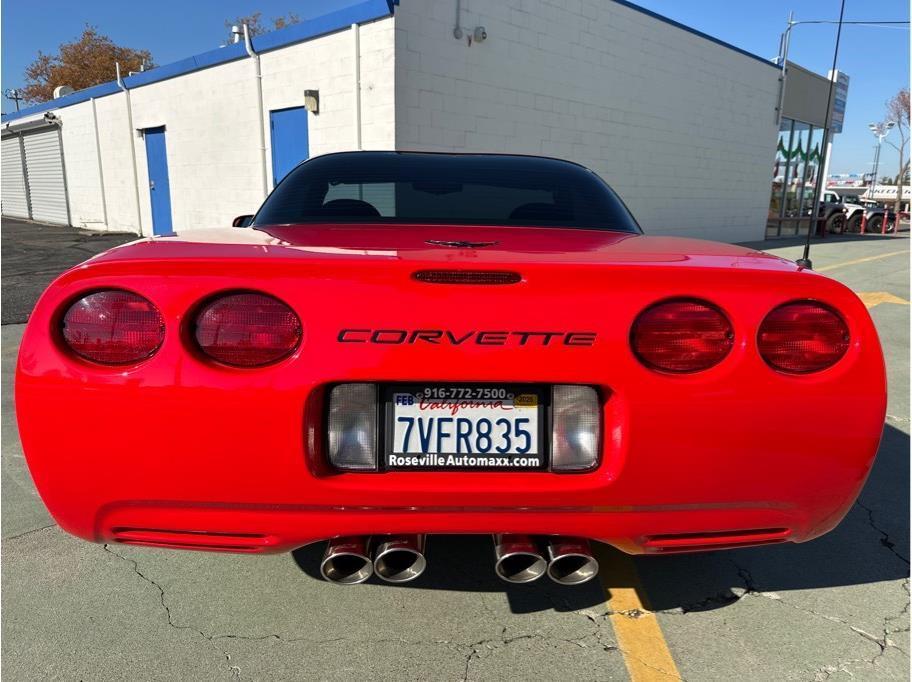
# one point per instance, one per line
(113, 327)
(681, 336)
(247, 329)
(802, 337)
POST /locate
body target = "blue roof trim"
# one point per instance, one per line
(366, 10)
(334, 21)
(672, 22)
(221, 55)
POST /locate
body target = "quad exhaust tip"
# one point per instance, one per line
(517, 559)
(346, 561)
(570, 561)
(400, 558)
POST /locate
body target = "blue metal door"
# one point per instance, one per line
(289, 140)
(159, 187)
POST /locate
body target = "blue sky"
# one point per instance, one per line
(876, 59)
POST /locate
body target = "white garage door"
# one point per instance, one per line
(14, 192)
(46, 183)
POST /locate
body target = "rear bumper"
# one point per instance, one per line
(248, 474)
(244, 529)
(249, 529)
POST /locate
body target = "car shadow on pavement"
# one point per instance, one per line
(869, 546)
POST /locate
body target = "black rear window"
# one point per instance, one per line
(467, 189)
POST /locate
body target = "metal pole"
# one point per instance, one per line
(873, 173)
(805, 260)
(804, 176)
(25, 180)
(876, 169)
(786, 38)
(130, 132)
(258, 73)
(66, 191)
(101, 182)
(356, 83)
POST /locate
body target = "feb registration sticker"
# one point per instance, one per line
(464, 427)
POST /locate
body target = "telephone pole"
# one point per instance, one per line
(13, 95)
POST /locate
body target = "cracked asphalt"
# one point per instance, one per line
(834, 608)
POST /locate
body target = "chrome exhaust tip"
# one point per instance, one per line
(517, 559)
(400, 558)
(346, 562)
(570, 561)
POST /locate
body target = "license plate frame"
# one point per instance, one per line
(387, 414)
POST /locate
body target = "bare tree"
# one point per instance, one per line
(256, 25)
(898, 111)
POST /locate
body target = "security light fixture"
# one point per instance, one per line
(312, 101)
(881, 128)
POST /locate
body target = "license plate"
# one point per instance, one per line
(465, 426)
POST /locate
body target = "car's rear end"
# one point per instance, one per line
(351, 381)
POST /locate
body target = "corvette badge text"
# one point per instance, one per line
(450, 338)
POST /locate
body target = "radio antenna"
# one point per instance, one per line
(805, 260)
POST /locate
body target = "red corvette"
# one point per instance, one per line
(405, 344)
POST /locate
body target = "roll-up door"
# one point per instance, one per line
(14, 190)
(46, 181)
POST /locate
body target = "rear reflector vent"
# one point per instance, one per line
(467, 276)
(695, 542)
(202, 540)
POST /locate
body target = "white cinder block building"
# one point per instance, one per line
(683, 126)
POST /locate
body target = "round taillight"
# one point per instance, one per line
(113, 327)
(681, 336)
(802, 337)
(247, 329)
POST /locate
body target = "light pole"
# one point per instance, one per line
(805, 260)
(880, 130)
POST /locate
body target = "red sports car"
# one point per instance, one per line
(406, 344)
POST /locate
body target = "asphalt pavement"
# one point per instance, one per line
(34, 254)
(834, 608)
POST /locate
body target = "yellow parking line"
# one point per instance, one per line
(873, 298)
(639, 636)
(860, 260)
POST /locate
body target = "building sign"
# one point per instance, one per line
(840, 95)
(849, 180)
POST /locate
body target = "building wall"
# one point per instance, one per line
(327, 65)
(211, 121)
(83, 185)
(683, 128)
(115, 137)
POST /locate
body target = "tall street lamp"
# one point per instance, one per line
(880, 130)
